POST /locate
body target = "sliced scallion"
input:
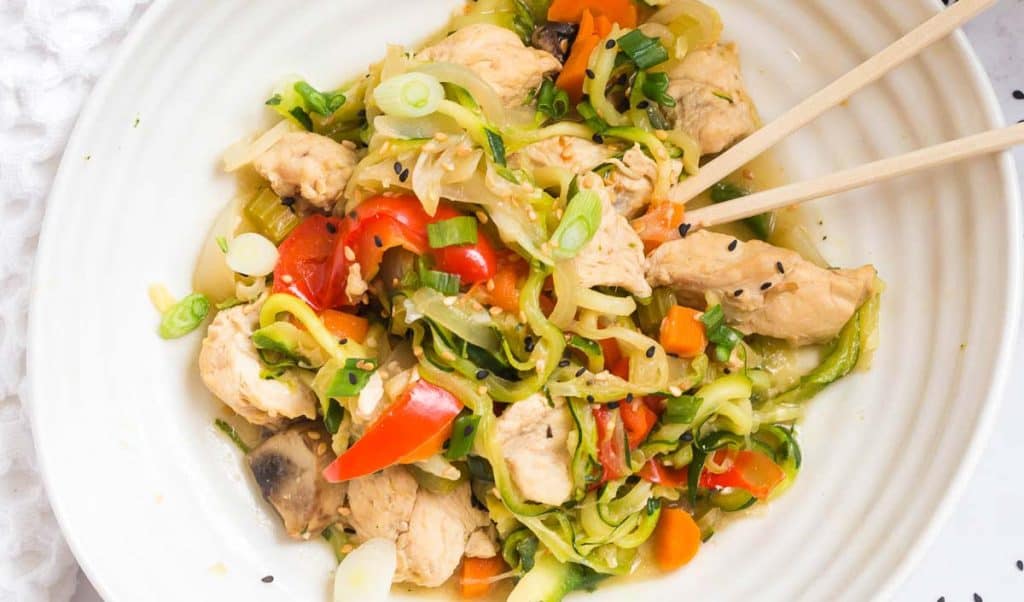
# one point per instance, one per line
(552, 101)
(302, 117)
(351, 379)
(443, 282)
(643, 50)
(591, 118)
(184, 316)
(724, 337)
(322, 103)
(463, 433)
(411, 94)
(455, 231)
(655, 87)
(497, 145)
(579, 224)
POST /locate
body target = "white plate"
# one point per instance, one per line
(156, 503)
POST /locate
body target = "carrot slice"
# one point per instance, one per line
(683, 333)
(676, 539)
(473, 580)
(592, 31)
(622, 12)
(345, 326)
(660, 224)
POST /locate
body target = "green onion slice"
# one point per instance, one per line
(580, 223)
(450, 232)
(643, 50)
(463, 433)
(184, 316)
(447, 284)
(409, 95)
(497, 145)
(322, 103)
(655, 87)
(552, 101)
(351, 379)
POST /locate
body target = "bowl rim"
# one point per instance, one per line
(922, 540)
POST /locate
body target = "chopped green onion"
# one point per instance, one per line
(761, 224)
(497, 145)
(643, 50)
(463, 433)
(184, 316)
(591, 118)
(450, 232)
(723, 96)
(232, 434)
(351, 379)
(447, 284)
(724, 337)
(411, 94)
(273, 101)
(578, 226)
(222, 243)
(655, 87)
(302, 117)
(682, 409)
(322, 103)
(552, 101)
(461, 96)
(523, 23)
(333, 416)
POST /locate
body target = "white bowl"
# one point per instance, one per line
(156, 503)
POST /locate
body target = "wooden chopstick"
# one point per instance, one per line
(871, 70)
(784, 196)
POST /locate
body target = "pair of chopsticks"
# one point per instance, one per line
(870, 71)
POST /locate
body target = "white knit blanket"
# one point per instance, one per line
(51, 52)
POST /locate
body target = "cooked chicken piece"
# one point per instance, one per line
(431, 530)
(309, 166)
(483, 543)
(712, 103)
(231, 370)
(577, 155)
(534, 439)
(763, 289)
(288, 468)
(632, 182)
(615, 255)
(498, 56)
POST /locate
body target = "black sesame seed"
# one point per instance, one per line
(585, 98)
(268, 579)
(353, 215)
(590, 398)
(468, 430)
(766, 286)
(941, 599)
(288, 201)
(580, 372)
(609, 44)
(687, 436)
(650, 351)
(404, 175)
(377, 241)
(352, 378)
(727, 370)
(1020, 565)
(342, 341)
(398, 168)
(732, 245)
(613, 405)
(1018, 95)
(332, 228)
(684, 229)
(977, 598)
(598, 138)
(550, 434)
(482, 374)
(528, 344)
(737, 292)
(629, 397)
(643, 104)
(779, 268)
(563, 364)
(590, 73)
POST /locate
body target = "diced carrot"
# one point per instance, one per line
(638, 420)
(506, 287)
(622, 12)
(676, 539)
(611, 352)
(345, 326)
(683, 333)
(473, 580)
(660, 224)
(592, 31)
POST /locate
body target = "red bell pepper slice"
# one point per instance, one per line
(310, 266)
(400, 434)
(611, 444)
(659, 474)
(638, 420)
(751, 471)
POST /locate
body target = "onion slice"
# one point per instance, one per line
(365, 574)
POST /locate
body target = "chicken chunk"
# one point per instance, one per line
(632, 182)
(712, 103)
(534, 439)
(615, 255)
(231, 370)
(430, 530)
(763, 289)
(498, 56)
(577, 155)
(312, 167)
(287, 467)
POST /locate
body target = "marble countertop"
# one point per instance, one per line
(977, 554)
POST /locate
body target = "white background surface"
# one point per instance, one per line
(976, 551)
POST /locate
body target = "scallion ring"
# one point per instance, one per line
(578, 226)
(409, 95)
(450, 232)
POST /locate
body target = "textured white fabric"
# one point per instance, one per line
(51, 52)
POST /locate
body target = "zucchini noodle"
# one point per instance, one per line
(602, 62)
(282, 303)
